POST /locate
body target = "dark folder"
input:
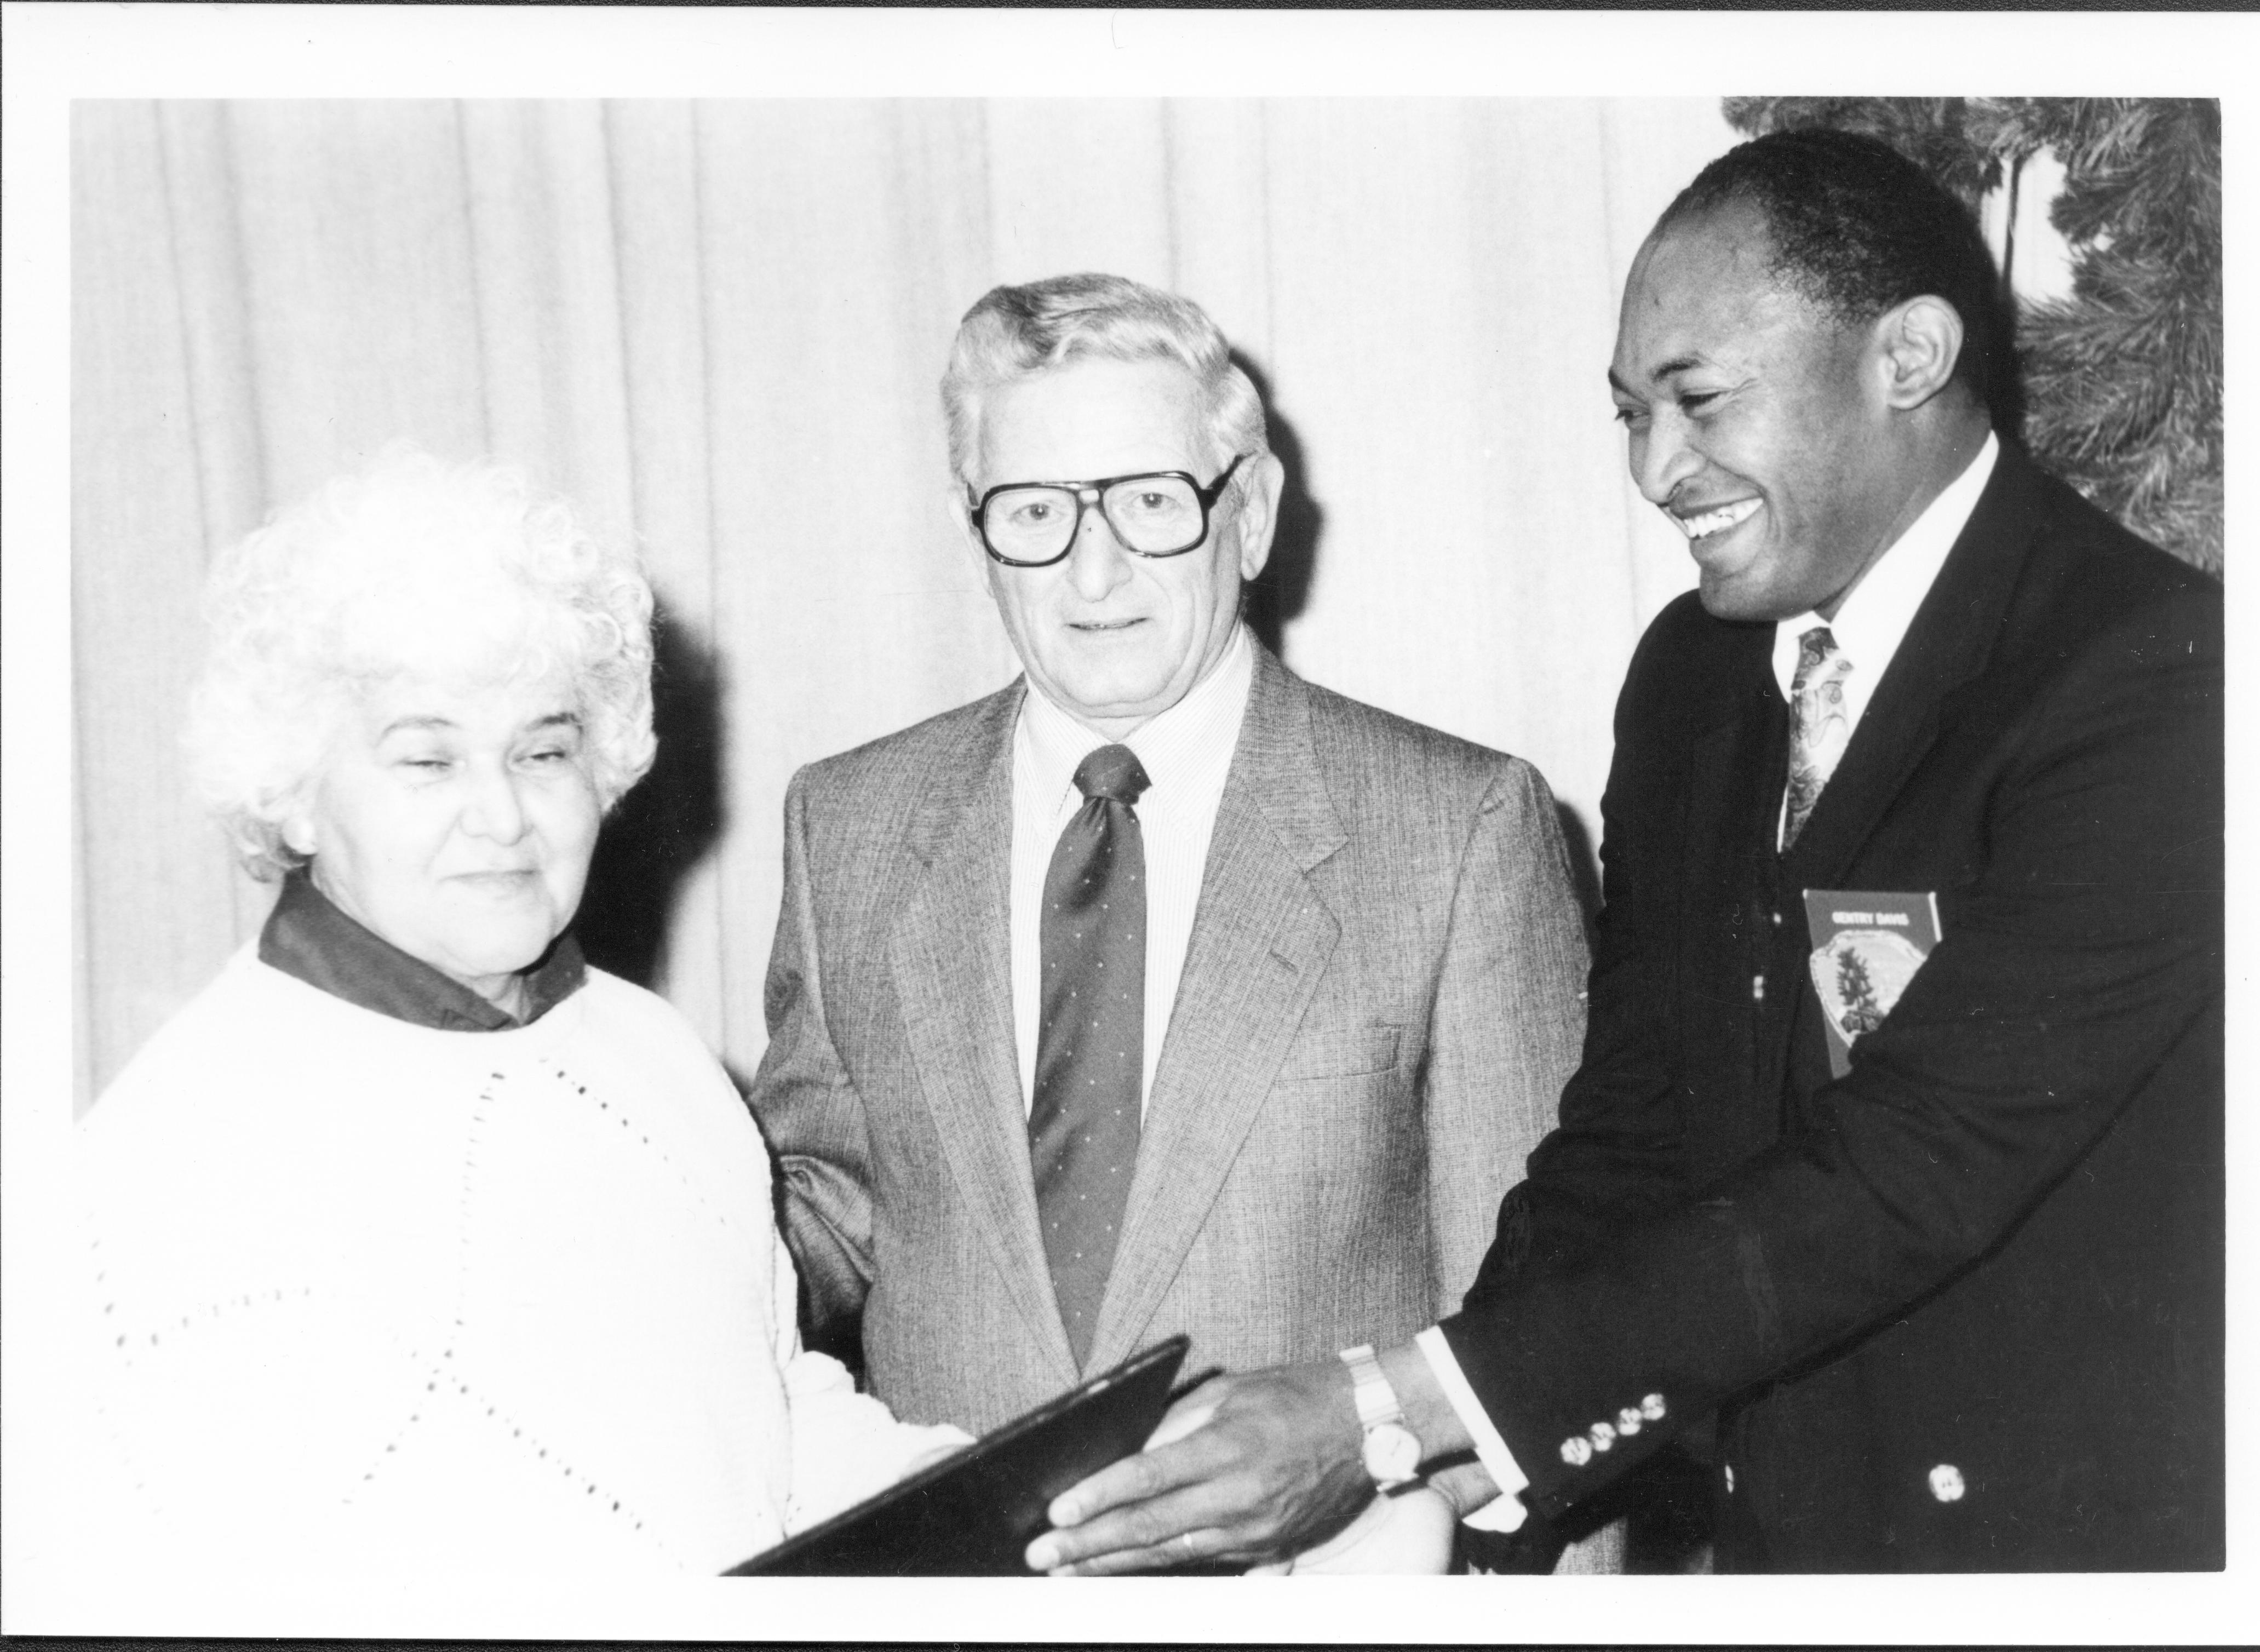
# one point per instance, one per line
(972, 1515)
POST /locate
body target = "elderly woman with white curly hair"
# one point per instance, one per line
(420, 1244)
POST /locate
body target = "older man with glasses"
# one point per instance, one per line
(1161, 990)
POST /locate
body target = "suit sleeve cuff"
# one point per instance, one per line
(1506, 1514)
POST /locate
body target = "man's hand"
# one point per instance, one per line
(1275, 1468)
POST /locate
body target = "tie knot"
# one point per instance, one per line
(1112, 772)
(1816, 651)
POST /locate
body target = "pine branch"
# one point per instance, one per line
(2122, 383)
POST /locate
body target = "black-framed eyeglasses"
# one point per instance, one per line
(1152, 513)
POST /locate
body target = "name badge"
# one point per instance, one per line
(1867, 945)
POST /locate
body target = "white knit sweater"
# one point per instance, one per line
(382, 1298)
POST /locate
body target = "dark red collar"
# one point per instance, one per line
(309, 938)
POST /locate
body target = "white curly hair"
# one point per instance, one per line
(411, 564)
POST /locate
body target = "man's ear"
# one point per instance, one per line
(1258, 515)
(959, 510)
(1919, 340)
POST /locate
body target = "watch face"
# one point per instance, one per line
(1392, 1454)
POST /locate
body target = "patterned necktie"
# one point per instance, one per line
(1819, 725)
(1091, 1036)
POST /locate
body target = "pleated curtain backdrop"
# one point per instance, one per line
(718, 328)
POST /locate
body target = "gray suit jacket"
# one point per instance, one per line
(1381, 1000)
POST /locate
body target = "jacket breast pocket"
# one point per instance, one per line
(1342, 1051)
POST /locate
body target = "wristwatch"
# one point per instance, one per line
(1392, 1451)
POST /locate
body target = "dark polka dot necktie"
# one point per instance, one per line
(1091, 1035)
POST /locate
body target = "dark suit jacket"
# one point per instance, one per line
(1960, 1309)
(1379, 1006)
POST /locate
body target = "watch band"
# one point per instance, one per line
(1376, 1400)
(1391, 1452)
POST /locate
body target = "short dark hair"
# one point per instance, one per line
(1857, 228)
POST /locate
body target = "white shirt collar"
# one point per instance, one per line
(1875, 617)
(1197, 732)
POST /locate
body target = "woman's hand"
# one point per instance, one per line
(1408, 1533)
(926, 1459)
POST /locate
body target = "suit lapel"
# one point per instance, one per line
(1260, 945)
(1944, 651)
(1737, 767)
(1946, 646)
(950, 952)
